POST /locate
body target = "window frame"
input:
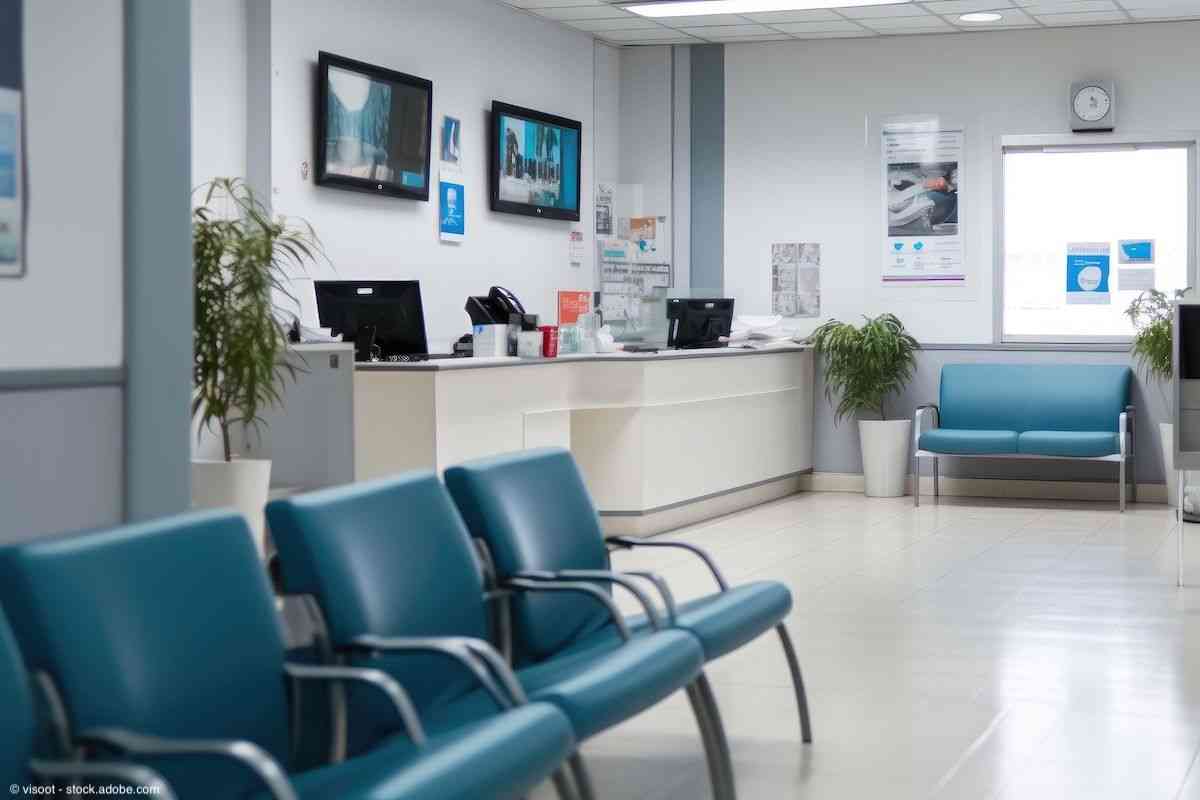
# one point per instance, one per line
(1188, 140)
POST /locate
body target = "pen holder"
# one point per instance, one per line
(529, 344)
(549, 341)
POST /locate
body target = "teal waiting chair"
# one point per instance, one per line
(164, 645)
(533, 513)
(391, 566)
(19, 734)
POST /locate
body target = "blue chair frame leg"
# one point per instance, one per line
(583, 781)
(789, 651)
(712, 735)
(562, 786)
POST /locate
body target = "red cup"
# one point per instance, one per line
(549, 340)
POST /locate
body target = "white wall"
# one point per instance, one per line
(218, 89)
(647, 88)
(801, 158)
(67, 310)
(474, 51)
(607, 141)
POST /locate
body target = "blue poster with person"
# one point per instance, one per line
(452, 214)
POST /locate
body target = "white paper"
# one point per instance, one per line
(1135, 279)
(922, 178)
(575, 248)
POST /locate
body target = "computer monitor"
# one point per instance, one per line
(698, 322)
(385, 314)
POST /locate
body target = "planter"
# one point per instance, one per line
(885, 455)
(241, 484)
(1166, 434)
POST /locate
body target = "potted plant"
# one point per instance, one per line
(241, 257)
(1152, 317)
(863, 367)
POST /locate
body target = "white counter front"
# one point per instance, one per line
(651, 432)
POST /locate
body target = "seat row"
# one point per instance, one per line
(468, 643)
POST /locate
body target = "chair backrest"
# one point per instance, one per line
(166, 628)
(17, 726)
(387, 558)
(1033, 397)
(533, 511)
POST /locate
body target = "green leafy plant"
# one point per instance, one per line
(241, 257)
(863, 366)
(1152, 348)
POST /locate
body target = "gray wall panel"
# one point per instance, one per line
(836, 448)
(60, 460)
(708, 166)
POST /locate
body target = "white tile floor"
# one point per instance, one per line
(969, 649)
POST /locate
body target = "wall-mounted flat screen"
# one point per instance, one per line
(373, 128)
(535, 163)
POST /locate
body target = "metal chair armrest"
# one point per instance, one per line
(629, 543)
(601, 576)
(664, 589)
(523, 585)
(130, 774)
(377, 678)
(454, 648)
(248, 754)
(919, 417)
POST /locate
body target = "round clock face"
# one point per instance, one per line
(1092, 104)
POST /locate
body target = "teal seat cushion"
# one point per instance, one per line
(721, 622)
(502, 756)
(1075, 444)
(597, 686)
(968, 442)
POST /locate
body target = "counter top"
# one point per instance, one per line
(617, 357)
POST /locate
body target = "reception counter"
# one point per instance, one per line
(663, 439)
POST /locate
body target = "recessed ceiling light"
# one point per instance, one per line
(699, 8)
(981, 16)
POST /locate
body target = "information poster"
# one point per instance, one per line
(452, 211)
(922, 179)
(572, 305)
(12, 163)
(796, 279)
(604, 208)
(1088, 268)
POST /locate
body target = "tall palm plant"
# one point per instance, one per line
(241, 259)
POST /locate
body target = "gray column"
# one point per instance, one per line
(158, 257)
(708, 166)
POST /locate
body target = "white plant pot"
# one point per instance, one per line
(241, 484)
(885, 455)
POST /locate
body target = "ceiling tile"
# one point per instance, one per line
(952, 8)
(878, 12)
(1069, 7)
(777, 37)
(929, 22)
(695, 22)
(861, 33)
(818, 27)
(600, 25)
(710, 31)
(1168, 12)
(1093, 18)
(813, 15)
(646, 36)
(568, 14)
(531, 4)
(1011, 18)
(1177, 6)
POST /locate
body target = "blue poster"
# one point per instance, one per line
(12, 157)
(1088, 273)
(452, 214)
(1136, 251)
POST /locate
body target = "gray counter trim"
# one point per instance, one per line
(702, 498)
(1031, 347)
(15, 380)
(632, 358)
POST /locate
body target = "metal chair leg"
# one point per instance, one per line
(562, 786)
(937, 491)
(797, 683)
(583, 781)
(916, 482)
(1121, 489)
(712, 735)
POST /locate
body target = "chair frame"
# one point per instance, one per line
(1124, 458)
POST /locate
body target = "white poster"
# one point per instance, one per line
(922, 178)
(604, 209)
(796, 279)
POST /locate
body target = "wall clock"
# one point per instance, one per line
(1093, 106)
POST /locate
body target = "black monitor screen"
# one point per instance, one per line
(698, 322)
(391, 310)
